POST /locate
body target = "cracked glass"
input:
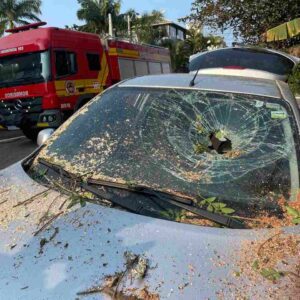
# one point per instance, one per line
(239, 148)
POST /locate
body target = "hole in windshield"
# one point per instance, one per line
(218, 142)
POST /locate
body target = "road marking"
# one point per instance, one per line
(12, 139)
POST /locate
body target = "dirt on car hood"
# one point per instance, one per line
(48, 250)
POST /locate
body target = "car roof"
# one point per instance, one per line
(224, 83)
(251, 48)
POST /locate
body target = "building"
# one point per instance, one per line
(170, 30)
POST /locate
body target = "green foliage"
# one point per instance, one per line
(39, 174)
(200, 148)
(199, 126)
(18, 12)
(294, 213)
(271, 274)
(249, 19)
(143, 27)
(182, 50)
(76, 199)
(197, 42)
(95, 14)
(217, 207)
(131, 183)
(220, 134)
(294, 80)
(268, 273)
(174, 214)
(255, 265)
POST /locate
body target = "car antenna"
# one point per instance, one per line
(192, 83)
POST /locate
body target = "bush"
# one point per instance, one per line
(294, 80)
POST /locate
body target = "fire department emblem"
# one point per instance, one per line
(70, 87)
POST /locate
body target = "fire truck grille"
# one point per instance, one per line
(27, 105)
(11, 111)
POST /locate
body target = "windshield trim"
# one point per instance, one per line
(197, 89)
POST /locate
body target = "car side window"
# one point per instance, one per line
(93, 61)
(65, 63)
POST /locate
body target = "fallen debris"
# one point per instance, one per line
(275, 259)
(48, 223)
(27, 201)
(136, 267)
(44, 241)
(4, 191)
(3, 201)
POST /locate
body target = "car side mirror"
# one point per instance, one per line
(44, 135)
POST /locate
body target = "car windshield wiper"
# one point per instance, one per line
(58, 169)
(92, 186)
(140, 204)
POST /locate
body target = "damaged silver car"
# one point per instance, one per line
(162, 187)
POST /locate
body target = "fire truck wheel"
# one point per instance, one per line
(30, 133)
(82, 103)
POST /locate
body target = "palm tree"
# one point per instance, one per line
(95, 13)
(18, 12)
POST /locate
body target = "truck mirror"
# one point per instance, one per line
(44, 135)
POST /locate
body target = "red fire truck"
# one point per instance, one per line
(48, 73)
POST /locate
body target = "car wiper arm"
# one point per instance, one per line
(58, 169)
(175, 200)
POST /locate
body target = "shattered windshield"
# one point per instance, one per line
(239, 148)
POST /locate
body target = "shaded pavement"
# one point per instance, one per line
(13, 147)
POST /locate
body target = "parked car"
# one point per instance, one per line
(163, 186)
(244, 61)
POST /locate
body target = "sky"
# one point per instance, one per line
(63, 12)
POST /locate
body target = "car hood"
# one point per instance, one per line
(50, 252)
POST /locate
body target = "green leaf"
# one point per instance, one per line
(199, 128)
(203, 202)
(219, 134)
(210, 199)
(74, 200)
(271, 274)
(227, 210)
(216, 205)
(292, 211)
(210, 208)
(255, 265)
(296, 221)
(82, 203)
(237, 273)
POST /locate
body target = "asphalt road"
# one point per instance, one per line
(13, 147)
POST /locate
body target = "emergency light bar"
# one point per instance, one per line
(26, 27)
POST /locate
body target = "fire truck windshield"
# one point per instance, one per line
(24, 69)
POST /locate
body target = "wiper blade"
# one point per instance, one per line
(178, 201)
(138, 188)
(58, 169)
